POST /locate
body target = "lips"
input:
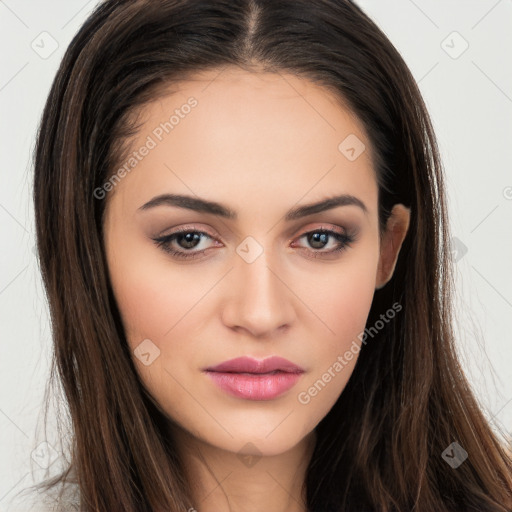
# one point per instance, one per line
(251, 379)
(249, 365)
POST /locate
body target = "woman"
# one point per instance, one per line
(242, 231)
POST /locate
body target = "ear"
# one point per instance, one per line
(396, 229)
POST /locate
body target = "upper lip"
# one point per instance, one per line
(250, 365)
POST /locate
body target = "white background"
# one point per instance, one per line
(469, 98)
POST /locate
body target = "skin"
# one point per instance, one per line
(261, 144)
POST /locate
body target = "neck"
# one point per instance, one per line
(225, 481)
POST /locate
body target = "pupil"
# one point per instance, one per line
(321, 238)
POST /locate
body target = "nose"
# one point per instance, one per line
(260, 301)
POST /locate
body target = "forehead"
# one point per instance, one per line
(231, 131)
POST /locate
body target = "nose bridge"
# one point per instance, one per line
(260, 301)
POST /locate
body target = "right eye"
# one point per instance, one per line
(180, 243)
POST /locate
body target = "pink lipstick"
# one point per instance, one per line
(248, 378)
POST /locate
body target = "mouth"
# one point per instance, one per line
(251, 379)
(254, 366)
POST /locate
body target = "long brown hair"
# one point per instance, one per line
(380, 447)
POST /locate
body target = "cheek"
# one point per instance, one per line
(348, 304)
(163, 305)
(152, 296)
(341, 300)
(342, 296)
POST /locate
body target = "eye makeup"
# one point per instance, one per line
(181, 244)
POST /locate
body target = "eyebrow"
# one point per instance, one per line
(213, 208)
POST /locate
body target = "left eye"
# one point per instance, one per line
(187, 240)
(319, 239)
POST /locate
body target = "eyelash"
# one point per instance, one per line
(345, 241)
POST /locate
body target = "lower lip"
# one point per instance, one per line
(263, 386)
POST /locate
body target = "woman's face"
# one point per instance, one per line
(268, 273)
